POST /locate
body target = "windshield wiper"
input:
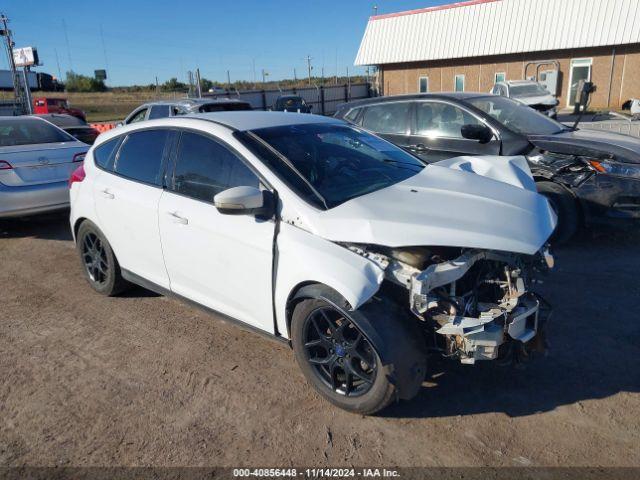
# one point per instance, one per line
(398, 162)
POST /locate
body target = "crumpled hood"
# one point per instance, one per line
(444, 206)
(625, 148)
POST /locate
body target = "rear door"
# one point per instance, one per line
(127, 194)
(390, 120)
(436, 132)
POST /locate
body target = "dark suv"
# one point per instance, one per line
(589, 176)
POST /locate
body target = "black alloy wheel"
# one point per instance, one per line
(340, 355)
(94, 256)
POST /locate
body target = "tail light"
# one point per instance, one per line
(79, 157)
(77, 175)
(5, 165)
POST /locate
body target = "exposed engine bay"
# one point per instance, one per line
(474, 304)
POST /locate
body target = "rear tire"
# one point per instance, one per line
(565, 207)
(99, 264)
(337, 359)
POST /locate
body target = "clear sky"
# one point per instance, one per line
(145, 38)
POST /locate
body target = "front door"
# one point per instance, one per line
(436, 132)
(221, 261)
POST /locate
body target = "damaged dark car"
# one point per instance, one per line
(590, 177)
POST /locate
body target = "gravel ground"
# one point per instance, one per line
(145, 380)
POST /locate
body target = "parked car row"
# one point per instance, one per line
(408, 226)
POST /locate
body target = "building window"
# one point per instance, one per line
(459, 83)
(423, 84)
(500, 77)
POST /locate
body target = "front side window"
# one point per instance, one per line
(336, 162)
(102, 154)
(423, 84)
(29, 131)
(459, 83)
(442, 120)
(141, 156)
(205, 168)
(139, 116)
(159, 111)
(517, 116)
(387, 118)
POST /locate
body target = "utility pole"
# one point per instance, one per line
(253, 60)
(309, 68)
(198, 83)
(228, 80)
(295, 76)
(58, 63)
(66, 39)
(265, 74)
(375, 10)
(19, 89)
(104, 49)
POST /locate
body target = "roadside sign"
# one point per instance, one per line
(25, 57)
(100, 74)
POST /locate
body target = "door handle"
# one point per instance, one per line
(419, 147)
(178, 219)
(107, 194)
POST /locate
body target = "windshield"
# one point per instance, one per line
(516, 116)
(527, 90)
(335, 162)
(29, 132)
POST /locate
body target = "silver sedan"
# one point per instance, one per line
(36, 160)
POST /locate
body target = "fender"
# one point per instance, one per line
(304, 258)
(396, 336)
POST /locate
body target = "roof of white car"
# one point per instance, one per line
(253, 120)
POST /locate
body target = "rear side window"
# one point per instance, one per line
(140, 156)
(205, 167)
(159, 111)
(387, 118)
(224, 107)
(103, 154)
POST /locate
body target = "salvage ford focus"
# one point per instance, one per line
(322, 235)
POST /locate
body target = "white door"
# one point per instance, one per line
(580, 70)
(221, 261)
(127, 204)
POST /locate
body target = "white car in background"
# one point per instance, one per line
(36, 159)
(530, 93)
(319, 234)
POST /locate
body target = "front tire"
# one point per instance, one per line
(565, 207)
(99, 264)
(338, 360)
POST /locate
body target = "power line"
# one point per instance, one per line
(66, 39)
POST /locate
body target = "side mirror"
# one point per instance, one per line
(310, 107)
(119, 124)
(245, 201)
(481, 133)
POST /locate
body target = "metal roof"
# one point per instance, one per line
(497, 27)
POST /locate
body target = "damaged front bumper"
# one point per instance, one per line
(516, 317)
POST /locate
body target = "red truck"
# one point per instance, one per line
(56, 105)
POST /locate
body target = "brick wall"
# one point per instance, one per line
(479, 73)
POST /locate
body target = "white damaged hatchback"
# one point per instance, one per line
(322, 235)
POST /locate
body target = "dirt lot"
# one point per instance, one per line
(145, 380)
